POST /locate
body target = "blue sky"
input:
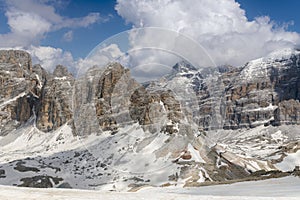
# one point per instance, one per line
(73, 28)
(281, 11)
(85, 39)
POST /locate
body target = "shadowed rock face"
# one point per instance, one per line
(17, 84)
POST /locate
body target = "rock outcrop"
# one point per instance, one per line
(16, 90)
(29, 94)
(55, 102)
(266, 91)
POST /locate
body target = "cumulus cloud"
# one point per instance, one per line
(100, 56)
(48, 12)
(49, 57)
(29, 22)
(26, 29)
(220, 26)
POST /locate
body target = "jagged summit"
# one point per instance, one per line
(61, 71)
(184, 66)
(16, 57)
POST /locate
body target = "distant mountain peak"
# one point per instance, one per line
(184, 66)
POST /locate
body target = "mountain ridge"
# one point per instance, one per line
(191, 128)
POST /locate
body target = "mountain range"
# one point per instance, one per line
(192, 127)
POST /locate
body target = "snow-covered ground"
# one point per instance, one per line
(282, 188)
(113, 162)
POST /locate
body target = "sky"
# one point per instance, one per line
(66, 31)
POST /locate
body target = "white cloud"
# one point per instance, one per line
(100, 56)
(48, 13)
(32, 24)
(220, 26)
(49, 57)
(29, 22)
(26, 29)
(79, 22)
(68, 36)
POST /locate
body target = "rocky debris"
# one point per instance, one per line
(65, 185)
(2, 173)
(40, 181)
(22, 168)
(296, 171)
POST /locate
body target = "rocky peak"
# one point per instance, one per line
(95, 93)
(55, 105)
(61, 71)
(31, 94)
(16, 57)
(183, 67)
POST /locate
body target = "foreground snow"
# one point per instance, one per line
(283, 188)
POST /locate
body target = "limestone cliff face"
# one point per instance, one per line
(29, 94)
(16, 89)
(156, 110)
(55, 102)
(104, 92)
(264, 91)
(93, 97)
(18, 58)
(165, 120)
(108, 98)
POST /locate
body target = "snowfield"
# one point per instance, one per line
(282, 188)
